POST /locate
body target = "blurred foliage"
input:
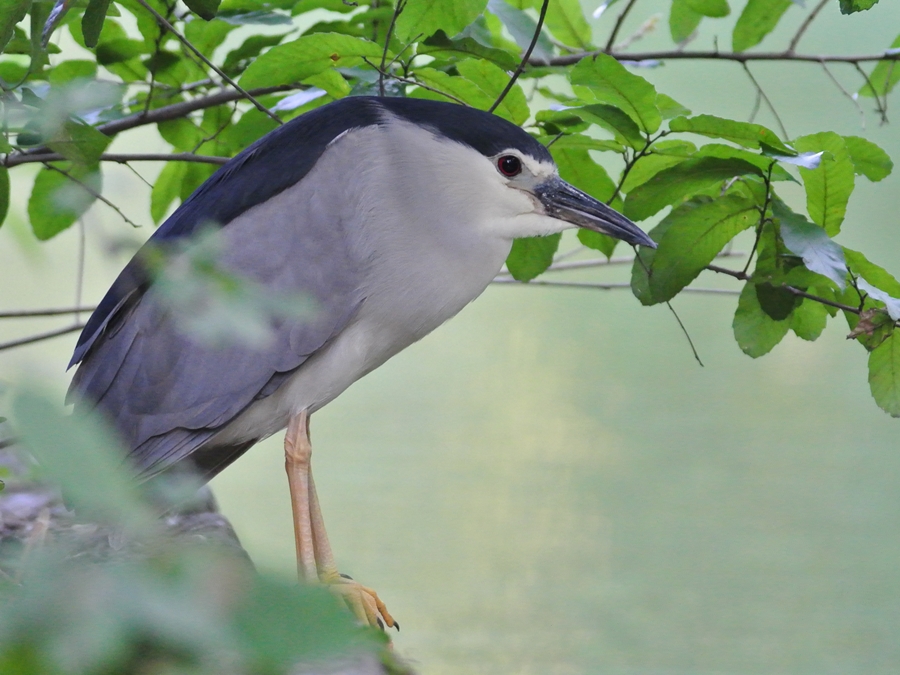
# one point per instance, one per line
(132, 598)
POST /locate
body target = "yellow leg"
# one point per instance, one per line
(315, 561)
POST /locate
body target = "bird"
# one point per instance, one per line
(388, 215)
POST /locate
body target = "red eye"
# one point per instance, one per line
(509, 165)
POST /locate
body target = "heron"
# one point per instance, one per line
(390, 215)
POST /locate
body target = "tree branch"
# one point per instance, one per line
(121, 158)
(221, 73)
(525, 57)
(569, 59)
(40, 337)
(26, 313)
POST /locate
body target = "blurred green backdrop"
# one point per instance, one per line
(550, 483)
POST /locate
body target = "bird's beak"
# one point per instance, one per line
(568, 203)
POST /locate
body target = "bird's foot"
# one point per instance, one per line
(362, 601)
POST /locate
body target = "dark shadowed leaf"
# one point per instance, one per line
(4, 193)
(671, 186)
(530, 256)
(205, 9)
(11, 13)
(608, 81)
(756, 332)
(92, 21)
(250, 48)
(440, 46)
(884, 375)
(851, 6)
(696, 233)
(757, 20)
(743, 133)
(868, 159)
(425, 17)
(828, 188)
(820, 254)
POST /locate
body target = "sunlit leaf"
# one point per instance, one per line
(612, 119)
(743, 133)
(712, 8)
(818, 251)
(828, 188)
(884, 375)
(522, 27)
(696, 233)
(565, 19)
(647, 167)
(73, 69)
(530, 256)
(757, 20)
(492, 80)
(868, 159)
(57, 201)
(671, 186)
(307, 55)
(610, 82)
(884, 75)
(683, 20)
(166, 189)
(669, 107)
(237, 59)
(457, 87)
(424, 17)
(756, 332)
(809, 319)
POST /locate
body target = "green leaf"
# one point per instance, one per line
(11, 13)
(643, 262)
(237, 59)
(305, 56)
(57, 201)
(714, 8)
(456, 87)
(92, 21)
(851, 6)
(80, 143)
(442, 47)
(874, 274)
(828, 188)
(809, 320)
(819, 253)
(669, 107)
(580, 142)
(609, 82)
(672, 185)
(647, 167)
(530, 256)
(205, 9)
(757, 20)
(696, 233)
(4, 193)
(425, 17)
(119, 50)
(883, 77)
(73, 69)
(683, 20)
(612, 119)
(884, 375)
(755, 331)
(742, 133)
(761, 162)
(565, 19)
(492, 80)
(166, 189)
(868, 159)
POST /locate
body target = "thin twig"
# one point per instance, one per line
(880, 106)
(803, 26)
(605, 286)
(851, 97)
(91, 191)
(35, 313)
(187, 43)
(765, 98)
(121, 158)
(387, 41)
(40, 337)
(418, 84)
(615, 31)
(527, 55)
(684, 330)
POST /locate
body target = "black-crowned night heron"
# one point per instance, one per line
(390, 215)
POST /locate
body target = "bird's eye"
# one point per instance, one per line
(509, 165)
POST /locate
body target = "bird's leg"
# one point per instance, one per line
(315, 562)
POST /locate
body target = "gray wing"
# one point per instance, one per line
(168, 391)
